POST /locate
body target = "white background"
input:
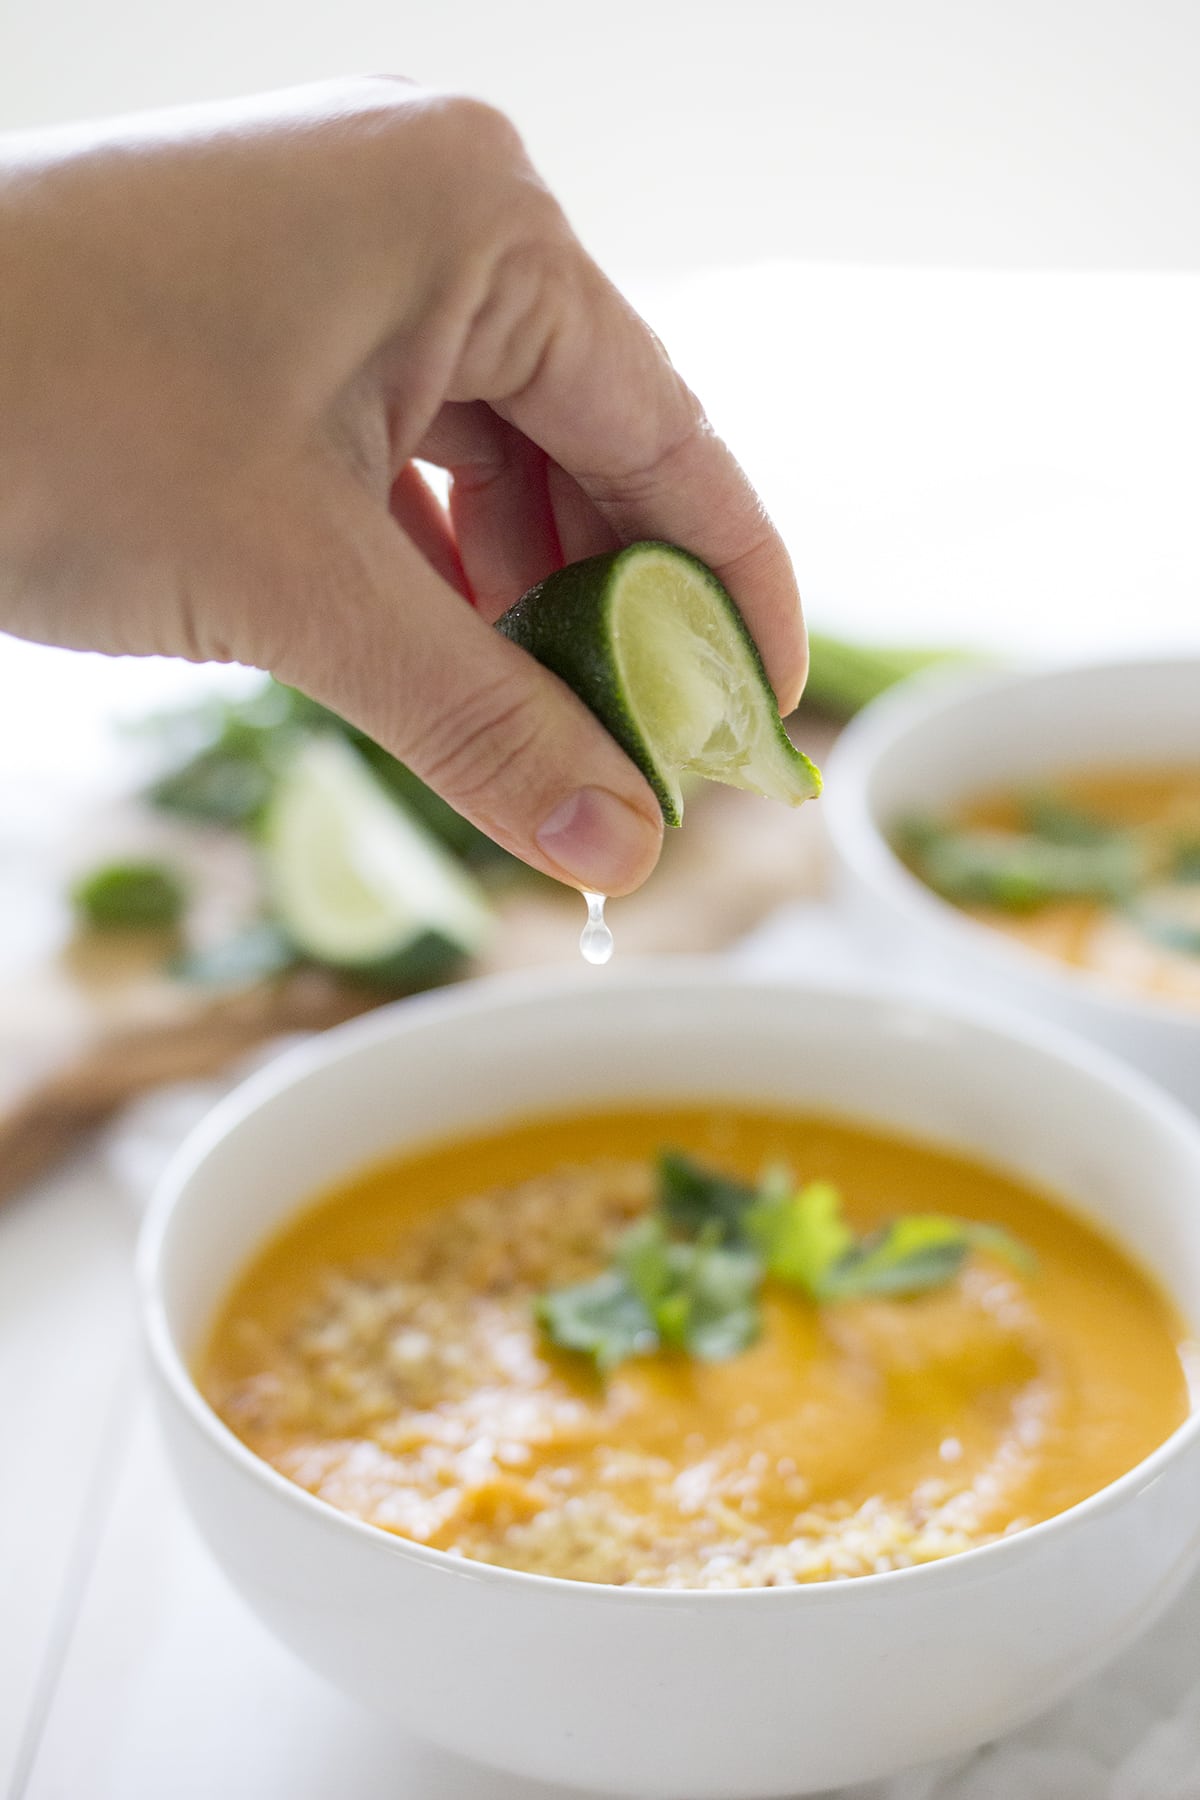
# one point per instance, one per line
(1036, 132)
(1006, 458)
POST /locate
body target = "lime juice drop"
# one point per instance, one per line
(596, 940)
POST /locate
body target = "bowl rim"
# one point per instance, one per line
(407, 1016)
(864, 848)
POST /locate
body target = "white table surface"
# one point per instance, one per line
(1006, 459)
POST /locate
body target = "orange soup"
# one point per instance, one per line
(385, 1353)
(1099, 869)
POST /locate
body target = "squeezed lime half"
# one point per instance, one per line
(654, 646)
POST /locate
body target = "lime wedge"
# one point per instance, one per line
(656, 649)
(356, 881)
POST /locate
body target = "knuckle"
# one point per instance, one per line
(457, 135)
(482, 743)
(530, 293)
(383, 86)
(370, 106)
(482, 129)
(657, 464)
(388, 79)
(198, 630)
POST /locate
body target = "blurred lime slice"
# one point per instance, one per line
(356, 881)
(656, 649)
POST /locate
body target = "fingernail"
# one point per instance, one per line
(599, 841)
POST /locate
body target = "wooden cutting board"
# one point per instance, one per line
(87, 1022)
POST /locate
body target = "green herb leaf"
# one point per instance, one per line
(1014, 871)
(643, 1257)
(130, 896)
(802, 1235)
(693, 1198)
(906, 1257)
(914, 1254)
(993, 1240)
(1058, 823)
(717, 1299)
(699, 1297)
(1185, 860)
(702, 1294)
(603, 1319)
(238, 748)
(218, 787)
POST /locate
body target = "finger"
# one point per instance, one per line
(499, 503)
(606, 404)
(374, 633)
(582, 529)
(421, 516)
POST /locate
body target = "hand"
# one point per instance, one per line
(224, 335)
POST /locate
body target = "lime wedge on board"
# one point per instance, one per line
(656, 649)
(356, 881)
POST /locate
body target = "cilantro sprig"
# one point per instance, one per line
(689, 1276)
(660, 1294)
(1020, 871)
(1061, 853)
(1185, 860)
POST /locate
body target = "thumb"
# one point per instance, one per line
(385, 642)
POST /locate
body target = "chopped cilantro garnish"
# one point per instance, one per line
(688, 1277)
(1056, 822)
(906, 1257)
(603, 1319)
(1017, 871)
(659, 1294)
(808, 1243)
(712, 1301)
(802, 1234)
(693, 1199)
(993, 1240)
(1185, 861)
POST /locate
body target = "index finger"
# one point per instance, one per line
(605, 403)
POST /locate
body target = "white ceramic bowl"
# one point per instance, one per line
(940, 738)
(644, 1692)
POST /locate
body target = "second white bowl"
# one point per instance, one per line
(940, 739)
